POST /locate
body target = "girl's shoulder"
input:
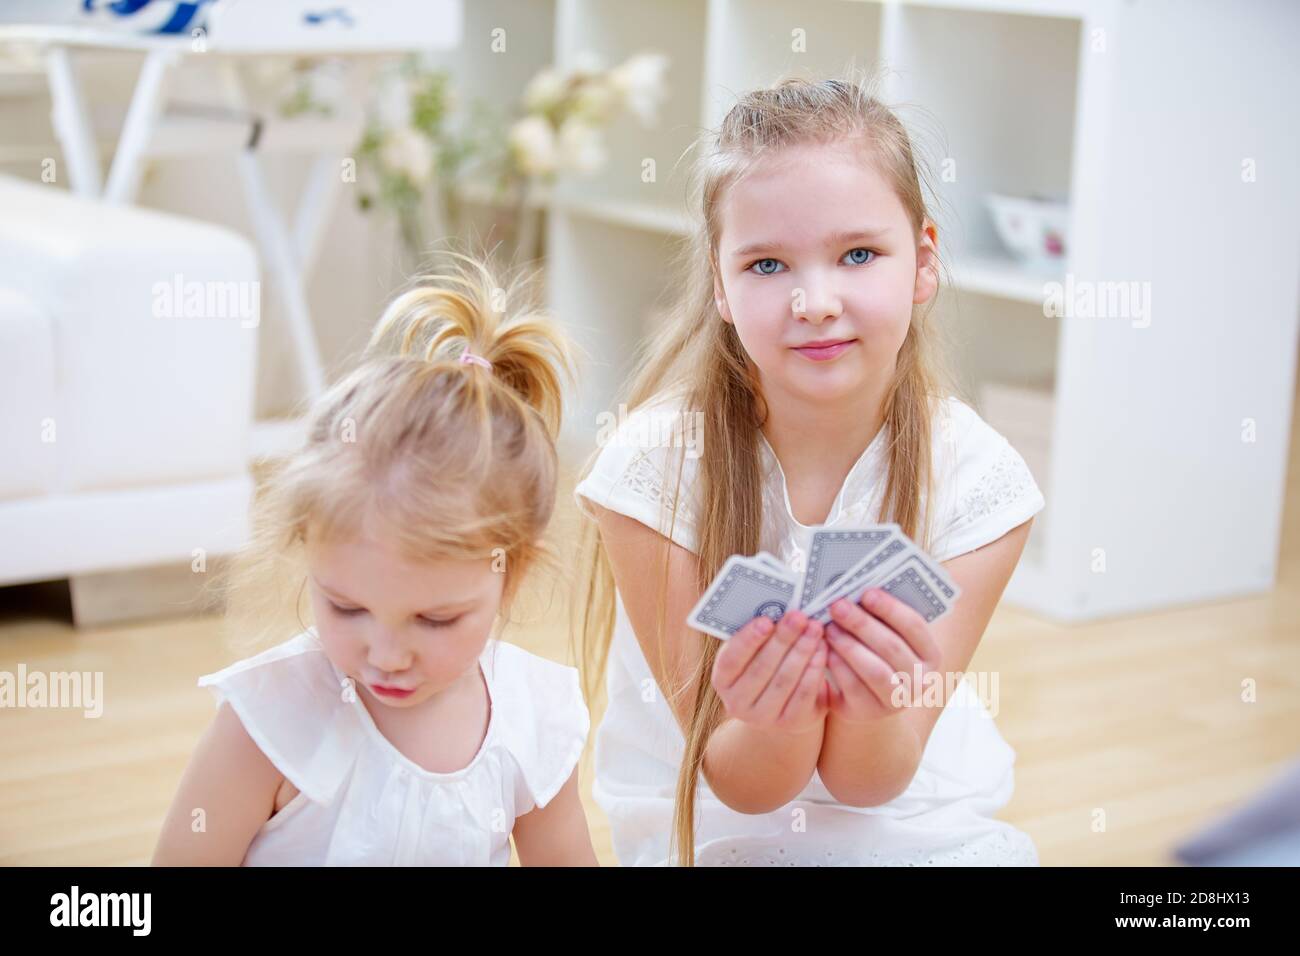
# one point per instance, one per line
(293, 703)
(541, 718)
(983, 488)
(533, 680)
(300, 660)
(961, 419)
(646, 462)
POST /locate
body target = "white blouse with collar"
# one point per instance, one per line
(361, 801)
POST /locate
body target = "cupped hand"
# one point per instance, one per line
(875, 648)
(773, 674)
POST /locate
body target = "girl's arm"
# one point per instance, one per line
(870, 763)
(230, 780)
(556, 834)
(751, 769)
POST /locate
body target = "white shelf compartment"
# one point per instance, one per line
(616, 301)
(752, 42)
(994, 112)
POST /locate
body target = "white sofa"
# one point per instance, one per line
(124, 418)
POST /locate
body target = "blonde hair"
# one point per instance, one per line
(458, 460)
(701, 354)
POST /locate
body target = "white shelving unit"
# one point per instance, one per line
(1141, 112)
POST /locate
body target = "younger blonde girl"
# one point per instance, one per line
(396, 729)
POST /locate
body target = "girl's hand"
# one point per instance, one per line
(869, 643)
(774, 675)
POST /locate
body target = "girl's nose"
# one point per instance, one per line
(387, 653)
(815, 302)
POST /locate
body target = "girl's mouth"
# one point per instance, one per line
(395, 692)
(825, 350)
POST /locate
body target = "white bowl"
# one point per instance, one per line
(1033, 230)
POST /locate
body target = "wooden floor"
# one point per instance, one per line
(1138, 722)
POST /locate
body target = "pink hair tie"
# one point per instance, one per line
(467, 356)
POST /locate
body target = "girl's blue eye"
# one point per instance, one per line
(852, 255)
(763, 272)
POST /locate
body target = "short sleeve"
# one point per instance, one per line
(291, 704)
(546, 722)
(984, 488)
(637, 470)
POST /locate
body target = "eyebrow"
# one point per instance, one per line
(834, 239)
(444, 609)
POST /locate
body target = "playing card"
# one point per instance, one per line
(909, 575)
(841, 563)
(832, 552)
(743, 589)
(932, 568)
(857, 578)
(920, 585)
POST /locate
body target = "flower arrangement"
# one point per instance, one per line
(419, 155)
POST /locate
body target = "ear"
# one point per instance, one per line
(927, 264)
(720, 298)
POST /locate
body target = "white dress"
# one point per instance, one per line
(361, 801)
(946, 816)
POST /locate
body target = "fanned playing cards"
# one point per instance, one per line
(841, 563)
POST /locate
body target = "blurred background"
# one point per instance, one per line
(204, 206)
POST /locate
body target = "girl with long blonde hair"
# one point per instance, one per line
(397, 729)
(798, 382)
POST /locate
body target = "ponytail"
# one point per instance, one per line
(453, 457)
(463, 311)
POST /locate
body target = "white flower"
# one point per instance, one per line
(408, 152)
(533, 143)
(596, 101)
(640, 82)
(581, 148)
(544, 91)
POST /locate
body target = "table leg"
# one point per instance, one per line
(72, 124)
(146, 101)
(274, 240)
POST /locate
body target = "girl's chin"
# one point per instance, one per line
(847, 370)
